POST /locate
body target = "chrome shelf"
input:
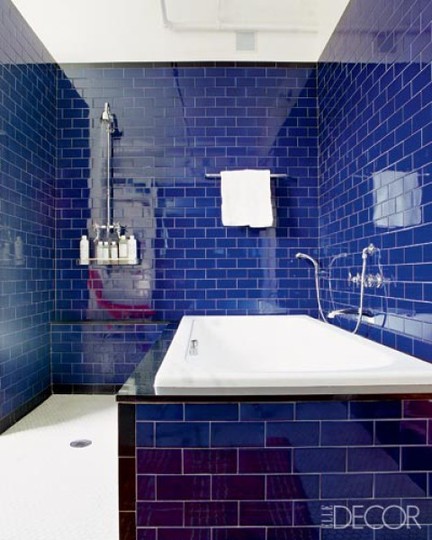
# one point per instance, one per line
(109, 262)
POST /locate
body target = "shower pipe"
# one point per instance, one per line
(369, 250)
(317, 288)
(108, 120)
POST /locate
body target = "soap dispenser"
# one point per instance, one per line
(132, 249)
(84, 249)
(123, 249)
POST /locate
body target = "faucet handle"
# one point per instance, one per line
(355, 280)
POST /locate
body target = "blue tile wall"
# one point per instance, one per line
(359, 127)
(98, 353)
(375, 137)
(175, 123)
(27, 169)
(206, 478)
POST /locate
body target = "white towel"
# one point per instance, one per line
(246, 198)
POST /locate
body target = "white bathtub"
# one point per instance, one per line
(258, 355)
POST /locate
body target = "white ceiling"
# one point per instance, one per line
(92, 31)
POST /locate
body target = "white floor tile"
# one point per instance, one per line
(50, 491)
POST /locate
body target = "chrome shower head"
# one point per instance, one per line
(107, 118)
(106, 114)
(369, 250)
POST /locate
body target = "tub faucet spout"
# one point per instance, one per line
(349, 311)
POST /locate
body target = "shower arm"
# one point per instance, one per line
(108, 195)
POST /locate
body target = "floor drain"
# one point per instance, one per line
(80, 443)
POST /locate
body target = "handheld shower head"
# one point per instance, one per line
(336, 257)
(307, 258)
(315, 263)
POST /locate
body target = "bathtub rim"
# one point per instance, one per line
(140, 385)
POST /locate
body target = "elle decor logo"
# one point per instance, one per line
(375, 516)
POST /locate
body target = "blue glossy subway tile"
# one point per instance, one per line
(319, 410)
(243, 533)
(160, 412)
(159, 514)
(265, 460)
(211, 513)
(348, 534)
(416, 458)
(266, 411)
(184, 533)
(346, 486)
(210, 461)
(346, 433)
(183, 488)
(422, 349)
(417, 408)
(401, 485)
(145, 434)
(146, 534)
(374, 459)
(268, 513)
(182, 434)
(159, 461)
(293, 486)
(296, 433)
(403, 432)
(375, 409)
(421, 534)
(294, 533)
(146, 488)
(238, 434)
(310, 460)
(238, 487)
(211, 411)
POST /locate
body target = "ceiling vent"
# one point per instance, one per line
(241, 15)
(245, 41)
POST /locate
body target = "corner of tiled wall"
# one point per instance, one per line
(374, 94)
(27, 165)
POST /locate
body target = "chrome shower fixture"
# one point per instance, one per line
(315, 263)
(369, 250)
(336, 257)
(108, 118)
(307, 258)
